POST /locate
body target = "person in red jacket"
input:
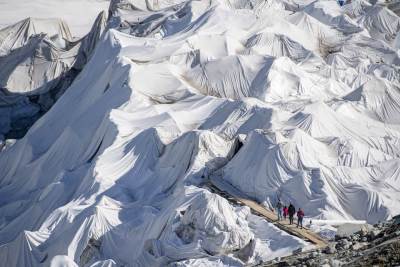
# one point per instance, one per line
(300, 216)
(285, 212)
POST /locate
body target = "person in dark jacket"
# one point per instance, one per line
(291, 211)
(300, 216)
(279, 210)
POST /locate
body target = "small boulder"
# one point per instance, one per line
(315, 254)
(247, 251)
(335, 263)
(330, 249)
(297, 251)
(324, 262)
(343, 244)
(359, 246)
(374, 233)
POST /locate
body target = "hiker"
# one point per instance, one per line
(291, 211)
(279, 210)
(285, 212)
(300, 216)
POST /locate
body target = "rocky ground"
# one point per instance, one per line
(377, 245)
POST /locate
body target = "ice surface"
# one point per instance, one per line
(286, 98)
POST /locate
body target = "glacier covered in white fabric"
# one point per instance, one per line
(78, 14)
(39, 60)
(282, 98)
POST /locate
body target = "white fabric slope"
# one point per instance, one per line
(37, 68)
(299, 173)
(17, 35)
(379, 97)
(115, 176)
(78, 14)
(381, 23)
(275, 45)
(292, 99)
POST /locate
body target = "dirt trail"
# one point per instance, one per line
(233, 195)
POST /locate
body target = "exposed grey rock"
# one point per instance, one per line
(358, 246)
(297, 251)
(247, 251)
(374, 233)
(335, 263)
(355, 237)
(330, 249)
(343, 244)
(358, 249)
(91, 251)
